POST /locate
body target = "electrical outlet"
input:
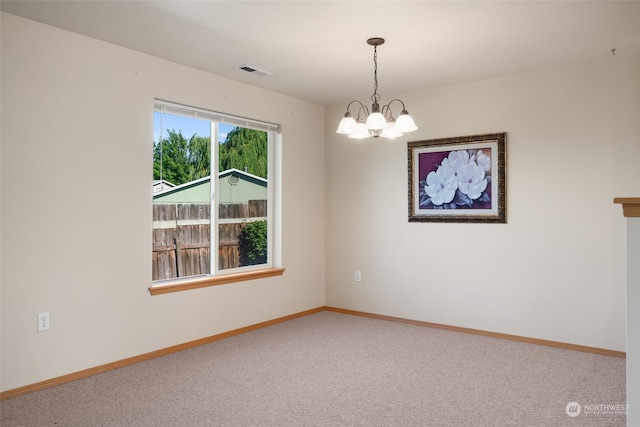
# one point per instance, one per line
(44, 322)
(358, 276)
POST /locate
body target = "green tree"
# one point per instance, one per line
(252, 243)
(199, 157)
(179, 160)
(246, 150)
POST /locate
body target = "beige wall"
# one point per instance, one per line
(556, 270)
(75, 112)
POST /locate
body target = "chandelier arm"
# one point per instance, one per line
(355, 102)
(387, 113)
(365, 112)
(395, 100)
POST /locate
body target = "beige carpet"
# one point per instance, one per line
(332, 369)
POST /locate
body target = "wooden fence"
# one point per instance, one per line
(182, 236)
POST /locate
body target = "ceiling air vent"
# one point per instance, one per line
(254, 70)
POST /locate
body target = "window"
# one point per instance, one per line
(214, 187)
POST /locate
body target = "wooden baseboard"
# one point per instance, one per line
(9, 394)
(556, 344)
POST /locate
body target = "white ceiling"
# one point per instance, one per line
(317, 50)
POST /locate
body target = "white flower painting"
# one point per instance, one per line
(458, 182)
(459, 179)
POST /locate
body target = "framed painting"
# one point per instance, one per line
(460, 179)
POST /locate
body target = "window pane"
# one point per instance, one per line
(182, 197)
(242, 197)
(209, 195)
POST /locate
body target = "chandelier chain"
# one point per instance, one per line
(375, 97)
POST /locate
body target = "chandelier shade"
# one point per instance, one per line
(347, 124)
(360, 131)
(377, 122)
(405, 123)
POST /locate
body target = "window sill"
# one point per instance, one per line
(215, 280)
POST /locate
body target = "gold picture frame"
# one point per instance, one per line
(459, 179)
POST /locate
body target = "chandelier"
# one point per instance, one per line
(377, 121)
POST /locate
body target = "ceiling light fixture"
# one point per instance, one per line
(379, 121)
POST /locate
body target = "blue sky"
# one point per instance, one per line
(187, 126)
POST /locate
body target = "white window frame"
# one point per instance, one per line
(273, 267)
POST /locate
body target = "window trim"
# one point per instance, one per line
(272, 268)
(221, 279)
(168, 107)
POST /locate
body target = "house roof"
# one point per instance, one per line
(162, 183)
(229, 172)
(182, 187)
(246, 175)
